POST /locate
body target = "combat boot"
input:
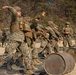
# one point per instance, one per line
(35, 62)
(45, 55)
(1, 63)
(29, 72)
(9, 64)
(34, 68)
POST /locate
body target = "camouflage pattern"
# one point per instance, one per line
(67, 23)
(27, 56)
(9, 50)
(23, 51)
(26, 40)
(28, 32)
(43, 19)
(54, 35)
(16, 42)
(68, 35)
(11, 46)
(17, 8)
(35, 49)
(29, 41)
(15, 19)
(50, 23)
(17, 36)
(51, 31)
(35, 53)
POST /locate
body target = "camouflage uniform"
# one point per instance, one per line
(54, 34)
(28, 31)
(45, 43)
(67, 34)
(43, 18)
(34, 26)
(16, 40)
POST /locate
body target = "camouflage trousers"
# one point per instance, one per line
(28, 41)
(48, 49)
(67, 40)
(35, 53)
(15, 50)
(27, 55)
(54, 45)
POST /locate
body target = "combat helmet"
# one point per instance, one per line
(28, 18)
(17, 8)
(50, 23)
(67, 23)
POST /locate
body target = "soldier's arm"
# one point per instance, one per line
(71, 32)
(10, 9)
(63, 30)
(53, 34)
(57, 32)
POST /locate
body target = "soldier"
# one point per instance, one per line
(43, 18)
(29, 37)
(54, 34)
(44, 39)
(34, 26)
(67, 34)
(16, 41)
(28, 31)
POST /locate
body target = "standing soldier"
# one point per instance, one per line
(16, 41)
(29, 37)
(34, 26)
(67, 33)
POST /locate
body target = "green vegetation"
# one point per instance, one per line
(59, 11)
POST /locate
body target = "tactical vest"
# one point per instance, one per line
(21, 23)
(47, 35)
(24, 26)
(18, 25)
(67, 30)
(14, 27)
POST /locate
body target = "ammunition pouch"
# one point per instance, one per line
(14, 27)
(28, 34)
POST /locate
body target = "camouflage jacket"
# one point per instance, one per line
(15, 19)
(16, 33)
(52, 33)
(67, 31)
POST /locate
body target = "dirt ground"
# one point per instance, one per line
(73, 72)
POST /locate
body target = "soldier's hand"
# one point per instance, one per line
(61, 38)
(4, 7)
